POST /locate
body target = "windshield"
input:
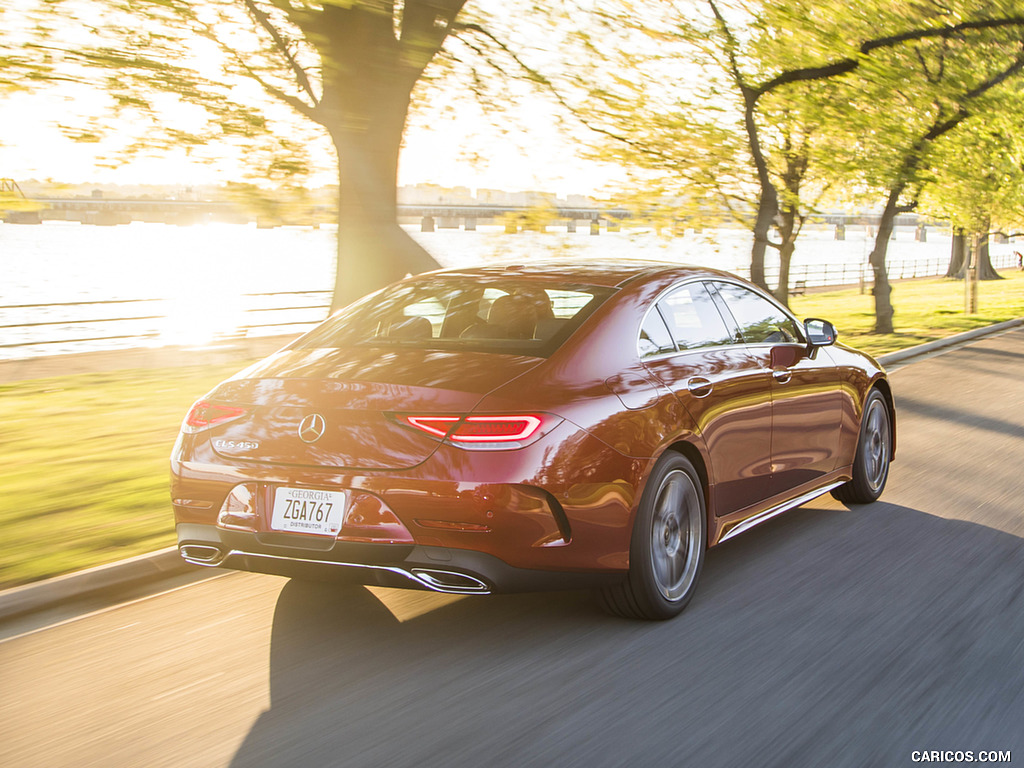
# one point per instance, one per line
(484, 315)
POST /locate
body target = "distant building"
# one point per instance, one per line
(435, 194)
(579, 201)
(494, 197)
(534, 198)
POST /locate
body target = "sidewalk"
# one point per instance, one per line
(161, 565)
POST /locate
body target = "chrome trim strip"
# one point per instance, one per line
(422, 578)
(768, 514)
(722, 279)
(679, 352)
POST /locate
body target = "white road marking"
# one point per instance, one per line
(109, 608)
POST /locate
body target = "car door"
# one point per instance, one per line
(687, 345)
(805, 387)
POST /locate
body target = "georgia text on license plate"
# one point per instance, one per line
(306, 510)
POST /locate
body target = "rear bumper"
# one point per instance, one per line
(561, 504)
(437, 569)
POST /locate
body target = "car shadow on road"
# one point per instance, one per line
(979, 351)
(950, 415)
(827, 636)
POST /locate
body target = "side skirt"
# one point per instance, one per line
(724, 529)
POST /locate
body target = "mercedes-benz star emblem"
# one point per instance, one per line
(312, 428)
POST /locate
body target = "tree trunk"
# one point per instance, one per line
(787, 236)
(767, 208)
(768, 198)
(368, 79)
(958, 261)
(985, 269)
(785, 258)
(883, 290)
(373, 250)
(957, 255)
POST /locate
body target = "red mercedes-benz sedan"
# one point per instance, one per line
(552, 425)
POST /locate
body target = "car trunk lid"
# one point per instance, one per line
(333, 408)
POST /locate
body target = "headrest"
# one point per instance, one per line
(517, 315)
(411, 328)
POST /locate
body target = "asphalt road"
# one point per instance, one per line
(827, 637)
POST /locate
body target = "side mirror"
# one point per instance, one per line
(820, 333)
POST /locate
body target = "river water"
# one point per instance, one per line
(208, 281)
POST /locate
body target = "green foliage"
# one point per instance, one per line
(915, 93)
(23, 64)
(227, 79)
(92, 487)
(771, 110)
(286, 204)
(977, 174)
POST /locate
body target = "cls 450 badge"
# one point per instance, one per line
(241, 446)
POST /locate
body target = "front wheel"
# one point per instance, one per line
(667, 549)
(874, 452)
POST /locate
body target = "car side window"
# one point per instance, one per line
(693, 319)
(759, 321)
(654, 336)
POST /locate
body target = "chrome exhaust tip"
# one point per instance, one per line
(201, 554)
(450, 581)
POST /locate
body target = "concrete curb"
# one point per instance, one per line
(166, 562)
(139, 570)
(933, 346)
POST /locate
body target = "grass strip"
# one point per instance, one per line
(85, 456)
(925, 310)
(85, 466)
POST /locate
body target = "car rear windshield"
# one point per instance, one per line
(486, 315)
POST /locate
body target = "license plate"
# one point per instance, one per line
(304, 510)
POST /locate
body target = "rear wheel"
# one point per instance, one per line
(874, 452)
(667, 549)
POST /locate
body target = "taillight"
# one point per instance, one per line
(488, 432)
(205, 415)
(495, 429)
(438, 426)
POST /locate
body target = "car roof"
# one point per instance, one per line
(604, 272)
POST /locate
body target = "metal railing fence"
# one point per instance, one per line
(118, 323)
(820, 275)
(91, 322)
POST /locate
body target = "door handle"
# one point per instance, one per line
(782, 375)
(699, 386)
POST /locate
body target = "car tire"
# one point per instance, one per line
(666, 553)
(874, 453)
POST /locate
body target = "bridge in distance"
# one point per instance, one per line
(107, 211)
